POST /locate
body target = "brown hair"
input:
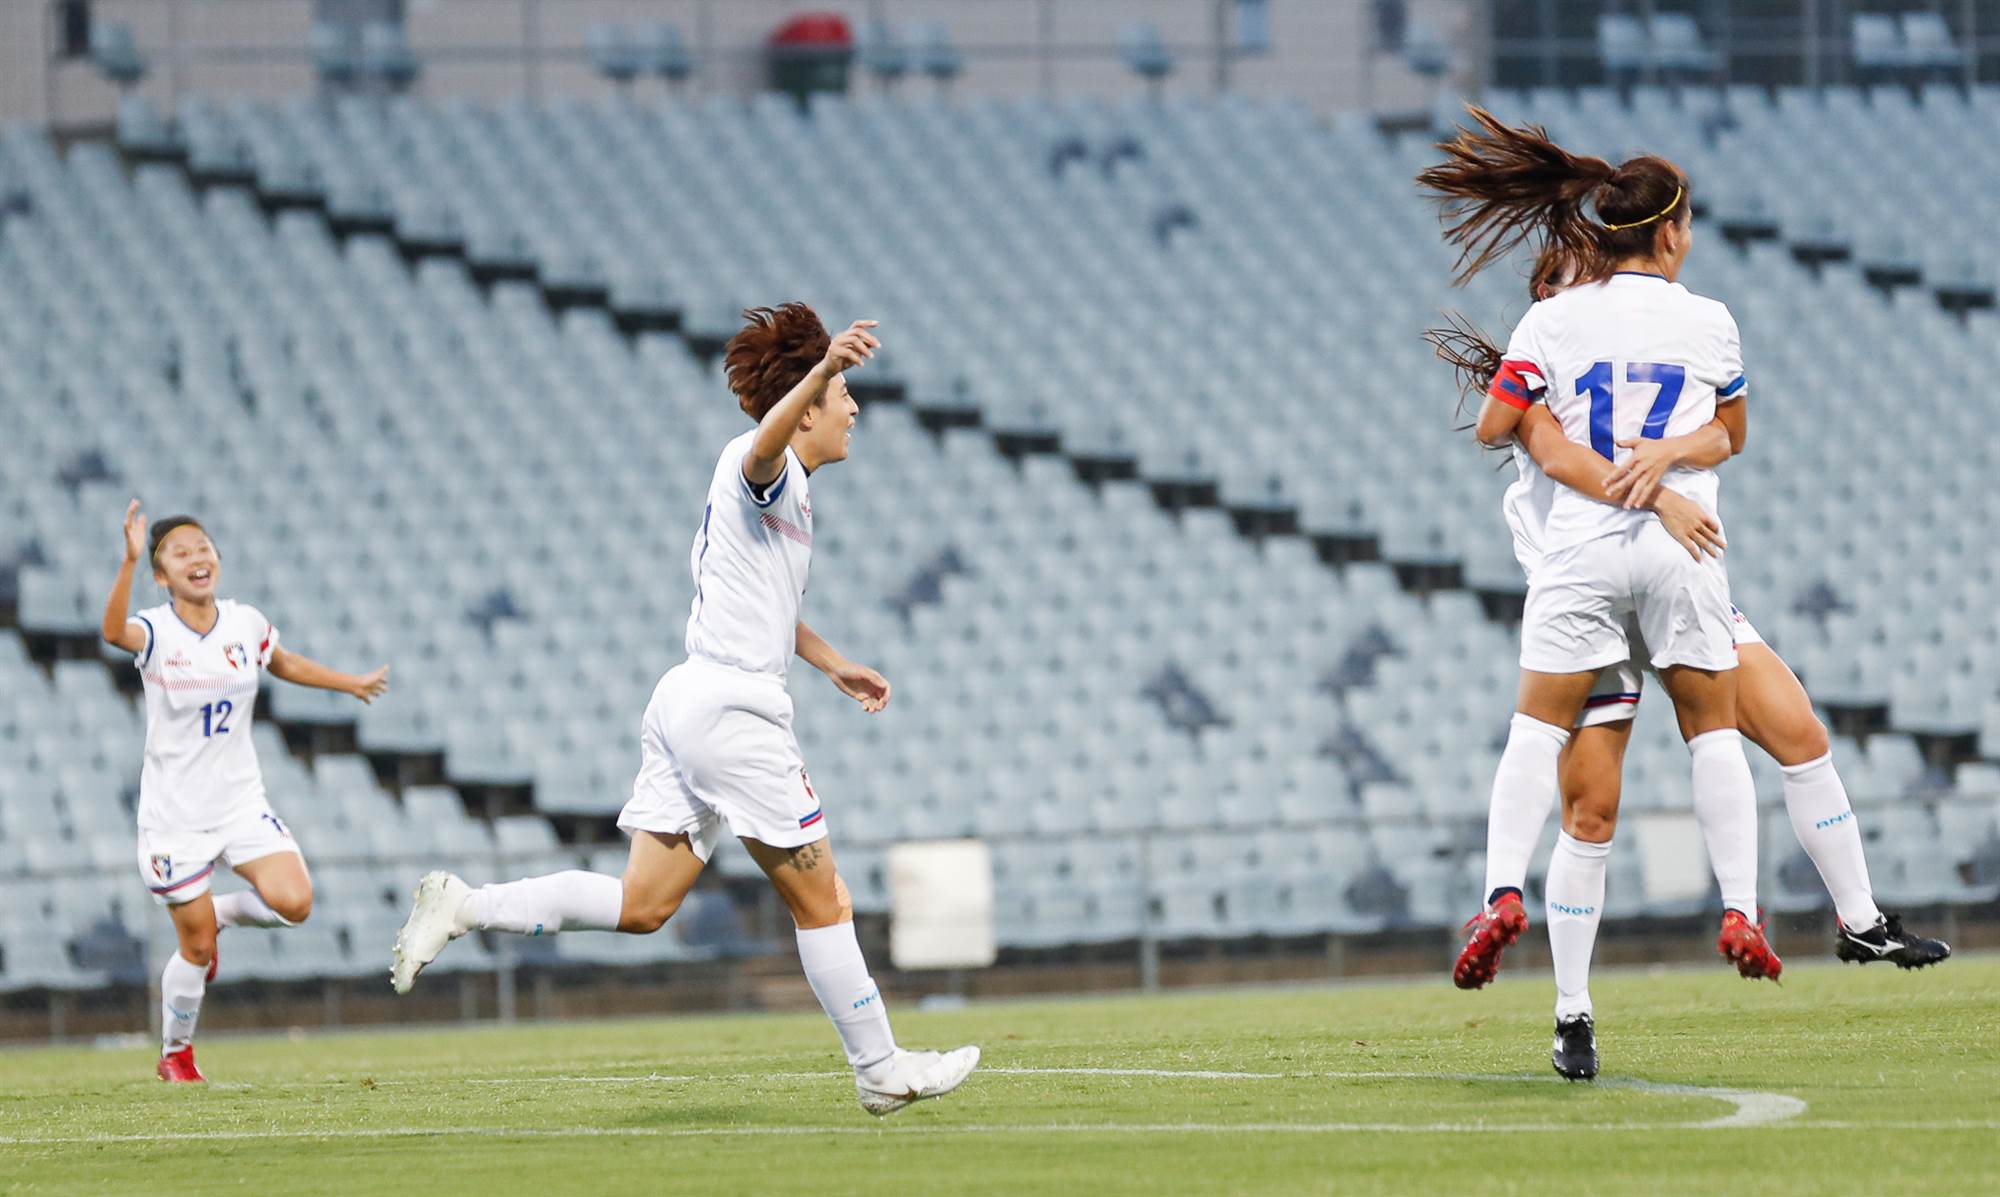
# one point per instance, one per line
(161, 529)
(1471, 353)
(1501, 187)
(771, 353)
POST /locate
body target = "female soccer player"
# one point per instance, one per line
(1772, 707)
(1624, 353)
(716, 744)
(201, 796)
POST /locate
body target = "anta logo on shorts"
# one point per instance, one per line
(163, 866)
(239, 657)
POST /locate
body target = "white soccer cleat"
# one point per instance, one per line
(433, 923)
(908, 1077)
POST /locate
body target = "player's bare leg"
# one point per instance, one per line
(659, 871)
(1775, 712)
(182, 985)
(886, 1077)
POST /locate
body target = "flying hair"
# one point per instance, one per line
(1501, 187)
(771, 354)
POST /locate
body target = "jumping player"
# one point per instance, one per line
(1773, 709)
(1625, 353)
(201, 795)
(717, 752)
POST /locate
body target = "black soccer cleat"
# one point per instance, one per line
(1575, 1052)
(1887, 940)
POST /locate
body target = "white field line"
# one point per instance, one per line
(1751, 1109)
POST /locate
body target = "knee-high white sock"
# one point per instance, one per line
(1725, 804)
(1830, 834)
(1524, 790)
(1576, 903)
(568, 901)
(181, 987)
(850, 997)
(245, 908)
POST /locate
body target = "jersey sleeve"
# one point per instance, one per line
(266, 634)
(1521, 381)
(761, 497)
(1728, 365)
(144, 656)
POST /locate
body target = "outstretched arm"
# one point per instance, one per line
(766, 459)
(117, 628)
(858, 682)
(1637, 478)
(1586, 471)
(289, 666)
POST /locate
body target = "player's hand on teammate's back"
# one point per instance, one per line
(852, 347)
(1636, 480)
(371, 686)
(862, 684)
(135, 531)
(1686, 522)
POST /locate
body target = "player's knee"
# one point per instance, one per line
(643, 914)
(198, 947)
(1591, 825)
(292, 905)
(1801, 740)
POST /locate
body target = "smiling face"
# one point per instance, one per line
(186, 564)
(828, 429)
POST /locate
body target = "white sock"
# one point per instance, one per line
(245, 908)
(850, 997)
(181, 987)
(1830, 834)
(568, 901)
(1576, 903)
(1725, 804)
(1524, 790)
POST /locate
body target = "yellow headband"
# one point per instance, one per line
(1671, 205)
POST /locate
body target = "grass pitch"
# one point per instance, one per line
(1843, 1081)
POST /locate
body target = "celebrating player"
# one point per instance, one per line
(201, 795)
(1625, 353)
(717, 751)
(1772, 707)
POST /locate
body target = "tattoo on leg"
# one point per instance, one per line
(806, 856)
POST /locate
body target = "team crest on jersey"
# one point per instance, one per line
(163, 866)
(239, 656)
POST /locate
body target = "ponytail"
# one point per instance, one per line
(1472, 354)
(1502, 187)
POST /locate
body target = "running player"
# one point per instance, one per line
(716, 744)
(1625, 353)
(201, 795)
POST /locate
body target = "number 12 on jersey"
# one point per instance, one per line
(215, 718)
(1596, 382)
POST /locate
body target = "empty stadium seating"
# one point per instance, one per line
(1157, 720)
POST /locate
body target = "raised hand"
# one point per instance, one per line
(851, 348)
(370, 686)
(135, 531)
(861, 684)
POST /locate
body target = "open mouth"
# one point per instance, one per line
(200, 575)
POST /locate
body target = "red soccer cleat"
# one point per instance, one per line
(1742, 943)
(178, 1067)
(1491, 930)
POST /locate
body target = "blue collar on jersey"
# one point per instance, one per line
(199, 635)
(1642, 274)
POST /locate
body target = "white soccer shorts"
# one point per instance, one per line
(716, 753)
(179, 865)
(1614, 696)
(1579, 597)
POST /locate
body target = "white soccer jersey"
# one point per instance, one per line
(1527, 504)
(750, 562)
(1633, 356)
(201, 691)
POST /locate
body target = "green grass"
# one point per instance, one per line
(1900, 1074)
